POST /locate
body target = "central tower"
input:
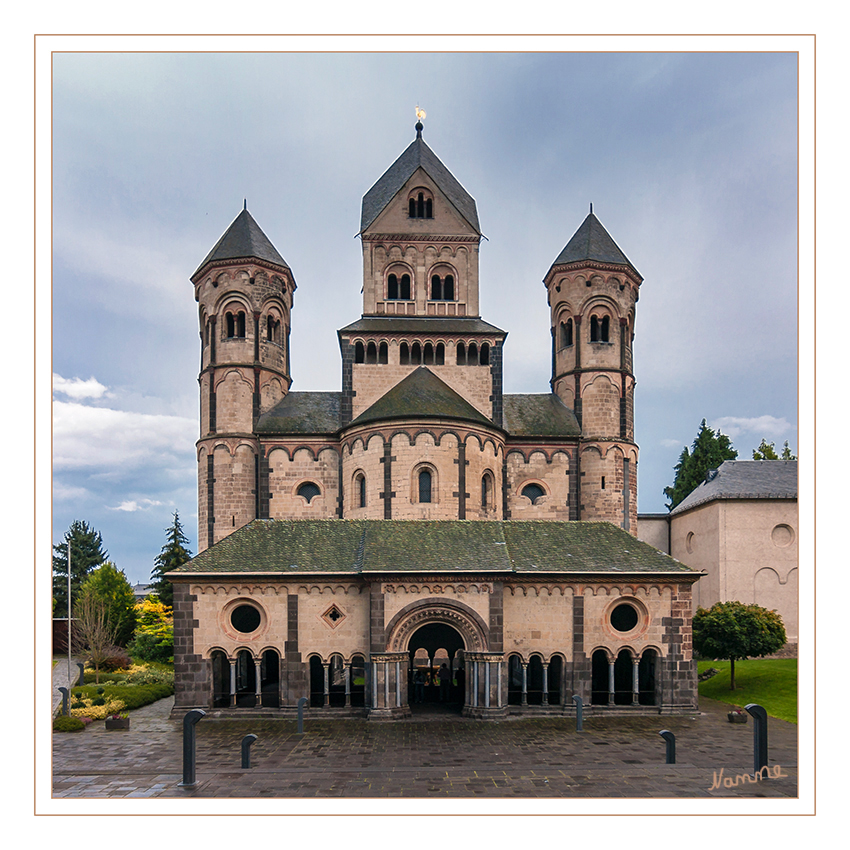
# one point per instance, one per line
(420, 235)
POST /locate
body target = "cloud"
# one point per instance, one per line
(99, 438)
(760, 426)
(77, 388)
(670, 443)
(131, 506)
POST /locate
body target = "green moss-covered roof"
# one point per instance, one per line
(421, 546)
(302, 413)
(421, 395)
(543, 415)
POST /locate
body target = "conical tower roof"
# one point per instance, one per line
(417, 155)
(592, 242)
(243, 240)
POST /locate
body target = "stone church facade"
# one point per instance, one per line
(420, 515)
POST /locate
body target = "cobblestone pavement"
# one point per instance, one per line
(431, 755)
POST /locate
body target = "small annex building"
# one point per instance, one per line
(354, 542)
(740, 529)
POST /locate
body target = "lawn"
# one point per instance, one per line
(770, 682)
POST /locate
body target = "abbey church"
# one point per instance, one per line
(420, 536)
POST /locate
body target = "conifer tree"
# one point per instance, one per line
(708, 451)
(174, 554)
(87, 552)
(767, 451)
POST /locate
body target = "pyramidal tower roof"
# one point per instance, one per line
(417, 155)
(592, 242)
(242, 240)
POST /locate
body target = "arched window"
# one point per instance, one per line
(404, 354)
(398, 287)
(272, 329)
(308, 490)
(533, 492)
(424, 486)
(487, 491)
(599, 328)
(416, 353)
(392, 288)
(235, 324)
(420, 205)
(442, 288)
(472, 354)
(461, 354)
(428, 354)
(484, 354)
(360, 490)
(359, 353)
(566, 333)
(383, 353)
(440, 354)
(371, 353)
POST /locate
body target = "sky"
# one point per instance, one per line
(690, 161)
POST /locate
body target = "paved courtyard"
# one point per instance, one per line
(434, 754)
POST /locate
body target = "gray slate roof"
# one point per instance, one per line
(421, 325)
(279, 547)
(242, 240)
(538, 416)
(592, 242)
(745, 479)
(417, 155)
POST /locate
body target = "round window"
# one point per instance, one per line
(245, 619)
(624, 617)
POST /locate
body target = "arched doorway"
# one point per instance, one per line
(432, 648)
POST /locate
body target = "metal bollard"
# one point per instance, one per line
(246, 750)
(670, 738)
(81, 680)
(759, 740)
(577, 701)
(189, 749)
(301, 703)
(66, 708)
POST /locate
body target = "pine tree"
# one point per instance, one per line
(767, 451)
(87, 552)
(709, 450)
(174, 554)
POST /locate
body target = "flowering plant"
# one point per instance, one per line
(122, 716)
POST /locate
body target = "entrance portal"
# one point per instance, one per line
(437, 674)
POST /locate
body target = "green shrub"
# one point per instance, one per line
(98, 701)
(68, 724)
(150, 646)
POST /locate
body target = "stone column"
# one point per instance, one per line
(610, 682)
(545, 683)
(347, 675)
(484, 684)
(524, 701)
(258, 681)
(325, 667)
(232, 682)
(635, 682)
(389, 686)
